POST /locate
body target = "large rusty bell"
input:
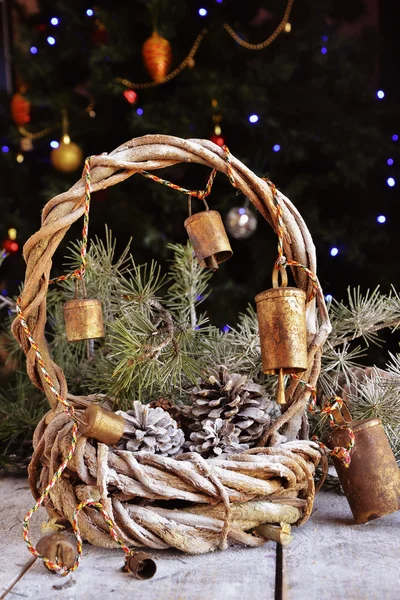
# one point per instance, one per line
(208, 237)
(58, 548)
(371, 481)
(281, 313)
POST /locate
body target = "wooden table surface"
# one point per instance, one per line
(330, 558)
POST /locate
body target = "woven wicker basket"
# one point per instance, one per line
(224, 499)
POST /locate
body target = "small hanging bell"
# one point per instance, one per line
(102, 425)
(83, 317)
(281, 318)
(58, 548)
(371, 481)
(208, 237)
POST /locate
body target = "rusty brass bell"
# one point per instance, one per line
(83, 317)
(140, 564)
(281, 314)
(102, 425)
(371, 482)
(58, 548)
(208, 237)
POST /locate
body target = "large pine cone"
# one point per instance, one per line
(216, 437)
(234, 399)
(151, 429)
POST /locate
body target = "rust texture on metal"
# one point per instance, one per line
(281, 316)
(83, 319)
(58, 548)
(208, 237)
(141, 565)
(372, 480)
(102, 425)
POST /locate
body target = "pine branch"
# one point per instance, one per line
(188, 283)
(364, 316)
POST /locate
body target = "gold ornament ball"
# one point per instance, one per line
(67, 157)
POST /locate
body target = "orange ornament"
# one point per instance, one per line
(157, 56)
(20, 110)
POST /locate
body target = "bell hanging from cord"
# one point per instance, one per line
(208, 237)
(83, 317)
(281, 317)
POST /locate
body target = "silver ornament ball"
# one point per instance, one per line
(241, 222)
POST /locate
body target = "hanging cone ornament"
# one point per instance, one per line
(371, 481)
(208, 237)
(157, 56)
(281, 314)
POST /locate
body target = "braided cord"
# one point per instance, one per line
(201, 194)
(79, 273)
(282, 261)
(333, 404)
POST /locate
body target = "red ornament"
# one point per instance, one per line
(130, 96)
(10, 246)
(217, 139)
(20, 110)
(157, 56)
(100, 35)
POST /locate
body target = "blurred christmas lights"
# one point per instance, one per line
(381, 219)
(89, 12)
(276, 148)
(51, 40)
(33, 50)
(323, 50)
(54, 21)
(380, 94)
(253, 118)
(334, 251)
(12, 233)
(328, 298)
(54, 144)
(5, 149)
(139, 111)
(391, 182)
(202, 12)
(390, 161)
(324, 38)
(395, 137)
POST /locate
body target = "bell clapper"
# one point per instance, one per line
(211, 263)
(280, 398)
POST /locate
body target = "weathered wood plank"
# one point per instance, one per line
(331, 558)
(237, 574)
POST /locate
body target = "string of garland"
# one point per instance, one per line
(270, 39)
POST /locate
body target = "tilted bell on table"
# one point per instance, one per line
(58, 548)
(83, 318)
(208, 237)
(371, 481)
(281, 314)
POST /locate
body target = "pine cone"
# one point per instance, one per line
(151, 429)
(216, 437)
(234, 399)
(169, 407)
